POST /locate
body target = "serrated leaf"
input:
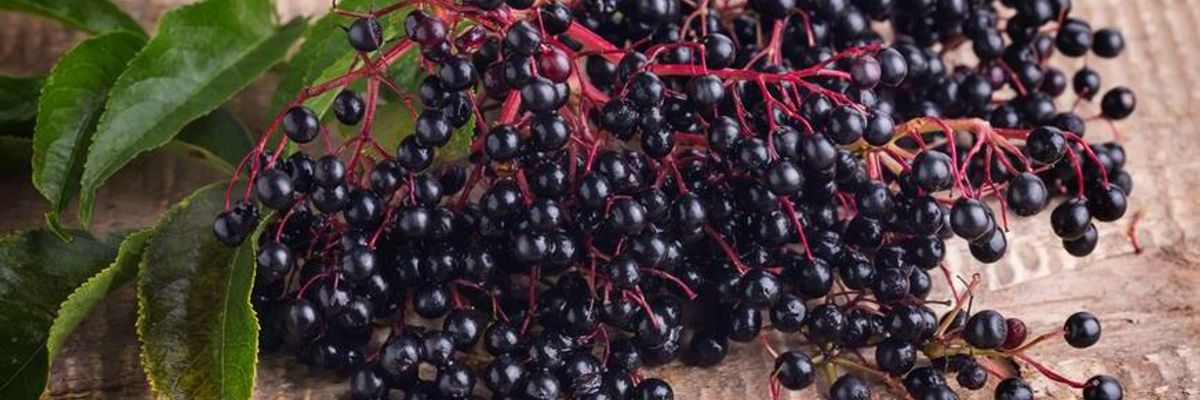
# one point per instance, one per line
(77, 306)
(198, 331)
(94, 16)
(393, 123)
(72, 101)
(219, 136)
(460, 143)
(18, 99)
(204, 53)
(326, 54)
(37, 273)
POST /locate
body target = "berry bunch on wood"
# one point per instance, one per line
(655, 181)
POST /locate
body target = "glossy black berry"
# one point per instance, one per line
(892, 67)
(878, 131)
(865, 72)
(301, 124)
(365, 34)
(548, 132)
(931, 171)
(274, 261)
(1102, 387)
(1108, 43)
(539, 95)
(329, 171)
(970, 219)
(1106, 202)
(1013, 389)
(846, 125)
(645, 89)
(654, 389)
(432, 129)
(924, 382)
(849, 387)
(1084, 244)
(503, 375)
(1118, 103)
(367, 384)
(522, 38)
(1086, 83)
(794, 370)
(556, 17)
(990, 247)
(1071, 218)
(719, 51)
(1027, 194)
(895, 356)
(825, 322)
(503, 143)
(784, 178)
(972, 377)
(1074, 38)
(348, 107)
(986, 330)
(1082, 330)
(705, 91)
(1046, 144)
(540, 386)
(455, 380)
(274, 189)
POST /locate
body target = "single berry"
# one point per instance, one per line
(849, 387)
(1013, 389)
(300, 124)
(1118, 103)
(365, 34)
(1082, 330)
(348, 107)
(1108, 43)
(1102, 387)
(986, 330)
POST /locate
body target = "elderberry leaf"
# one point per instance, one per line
(38, 272)
(325, 54)
(219, 137)
(460, 143)
(71, 103)
(392, 122)
(18, 103)
(92, 16)
(198, 332)
(77, 306)
(204, 53)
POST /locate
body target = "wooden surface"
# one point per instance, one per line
(1147, 302)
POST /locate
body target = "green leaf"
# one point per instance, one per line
(219, 137)
(94, 16)
(72, 101)
(80, 303)
(37, 273)
(326, 54)
(199, 334)
(460, 143)
(18, 98)
(393, 123)
(204, 53)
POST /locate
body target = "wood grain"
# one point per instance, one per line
(1146, 302)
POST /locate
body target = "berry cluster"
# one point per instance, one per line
(651, 180)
